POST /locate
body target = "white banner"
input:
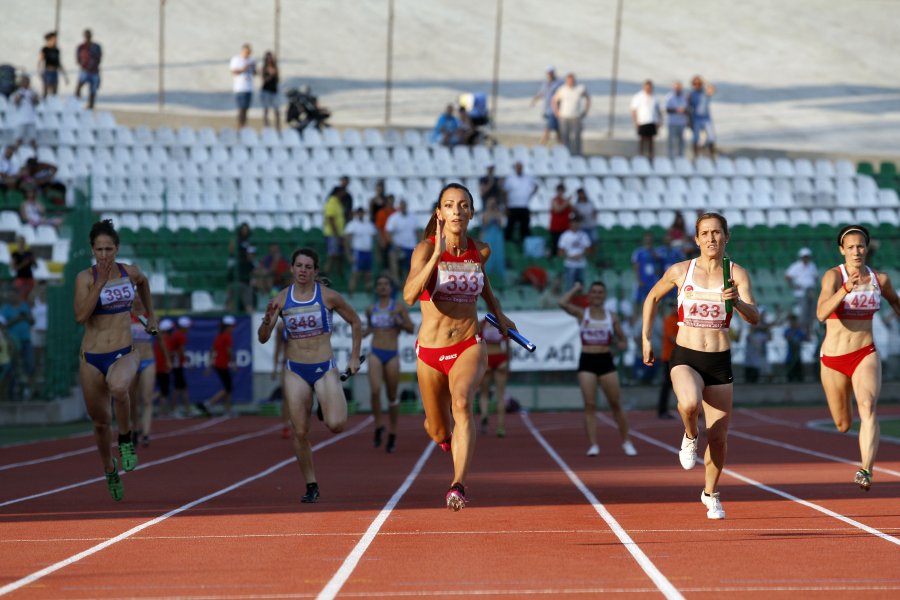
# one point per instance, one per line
(554, 332)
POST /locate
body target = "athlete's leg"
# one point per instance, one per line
(484, 395)
(464, 378)
(118, 380)
(501, 376)
(867, 387)
(298, 401)
(717, 401)
(688, 387)
(146, 380)
(96, 401)
(331, 397)
(587, 381)
(609, 383)
(376, 376)
(838, 388)
(436, 401)
(391, 380)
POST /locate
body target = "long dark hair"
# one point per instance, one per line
(431, 228)
(104, 227)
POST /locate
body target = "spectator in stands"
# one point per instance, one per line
(360, 234)
(402, 229)
(519, 188)
(445, 127)
(756, 351)
(384, 239)
(9, 173)
(794, 335)
(242, 265)
(465, 133)
(645, 263)
(676, 230)
(700, 116)
(677, 119)
(574, 246)
(669, 332)
(42, 176)
(334, 232)
(39, 333)
(492, 235)
(22, 261)
(89, 54)
(50, 66)
(7, 360)
(19, 320)
(32, 210)
(647, 116)
(243, 68)
(377, 201)
(345, 197)
(560, 213)
(275, 271)
(491, 186)
(268, 93)
(669, 252)
(571, 104)
(587, 213)
(25, 100)
(803, 276)
(546, 93)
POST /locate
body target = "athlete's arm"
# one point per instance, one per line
(405, 323)
(143, 288)
(621, 340)
(832, 294)
(424, 260)
(741, 294)
(565, 302)
(888, 292)
(87, 293)
(493, 304)
(666, 284)
(270, 319)
(335, 301)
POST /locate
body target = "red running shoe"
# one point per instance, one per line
(445, 445)
(456, 497)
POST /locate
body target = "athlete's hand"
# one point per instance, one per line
(353, 365)
(506, 324)
(272, 310)
(853, 280)
(732, 292)
(440, 244)
(152, 326)
(649, 359)
(577, 287)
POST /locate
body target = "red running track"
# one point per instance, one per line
(213, 512)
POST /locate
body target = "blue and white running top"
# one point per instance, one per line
(305, 319)
(383, 318)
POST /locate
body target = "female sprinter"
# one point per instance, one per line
(599, 328)
(142, 386)
(498, 355)
(104, 294)
(446, 275)
(386, 319)
(306, 308)
(851, 294)
(700, 365)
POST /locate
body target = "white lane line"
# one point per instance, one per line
(793, 448)
(777, 492)
(29, 579)
(333, 587)
(768, 419)
(161, 461)
(655, 575)
(827, 426)
(61, 455)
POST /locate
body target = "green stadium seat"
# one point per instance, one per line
(865, 168)
(887, 169)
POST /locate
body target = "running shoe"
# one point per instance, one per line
(688, 453)
(285, 433)
(863, 479)
(379, 432)
(445, 445)
(456, 497)
(713, 505)
(629, 448)
(312, 493)
(391, 443)
(145, 440)
(114, 482)
(484, 424)
(594, 450)
(129, 455)
(204, 410)
(501, 432)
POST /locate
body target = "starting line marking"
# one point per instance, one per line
(29, 579)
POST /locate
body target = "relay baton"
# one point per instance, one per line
(726, 273)
(512, 333)
(347, 374)
(143, 321)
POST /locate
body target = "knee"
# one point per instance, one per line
(460, 401)
(437, 432)
(335, 426)
(119, 391)
(842, 425)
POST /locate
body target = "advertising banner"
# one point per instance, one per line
(202, 383)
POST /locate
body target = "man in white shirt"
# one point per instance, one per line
(402, 232)
(360, 233)
(243, 68)
(574, 246)
(9, 171)
(24, 100)
(571, 111)
(803, 276)
(519, 189)
(647, 116)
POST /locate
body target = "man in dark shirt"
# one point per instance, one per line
(89, 56)
(50, 66)
(22, 261)
(489, 187)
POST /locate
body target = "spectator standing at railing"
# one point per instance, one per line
(50, 66)
(676, 119)
(519, 187)
(647, 116)
(243, 68)
(490, 186)
(571, 104)
(699, 101)
(377, 201)
(546, 93)
(89, 55)
(268, 94)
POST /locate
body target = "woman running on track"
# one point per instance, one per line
(142, 385)
(306, 307)
(700, 365)
(104, 294)
(851, 294)
(599, 329)
(386, 319)
(447, 277)
(498, 356)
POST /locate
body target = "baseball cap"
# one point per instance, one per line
(166, 325)
(551, 69)
(804, 252)
(184, 322)
(228, 320)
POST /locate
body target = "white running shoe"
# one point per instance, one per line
(688, 453)
(629, 448)
(713, 505)
(593, 450)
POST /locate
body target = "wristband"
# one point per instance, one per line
(844, 287)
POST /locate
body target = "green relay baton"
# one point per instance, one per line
(726, 272)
